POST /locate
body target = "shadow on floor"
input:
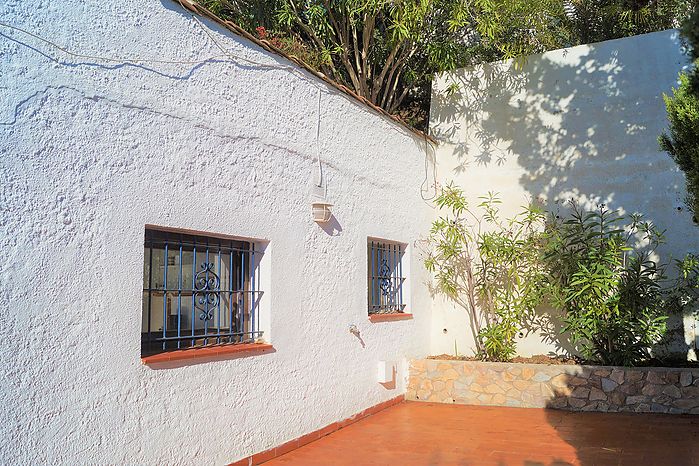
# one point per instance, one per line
(619, 438)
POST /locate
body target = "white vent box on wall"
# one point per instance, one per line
(387, 371)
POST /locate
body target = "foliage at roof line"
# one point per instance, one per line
(387, 51)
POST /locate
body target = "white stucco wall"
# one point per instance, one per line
(90, 152)
(576, 123)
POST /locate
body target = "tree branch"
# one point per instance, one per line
(357, 63)
(378, 81)
(367, 35)
(393, 78)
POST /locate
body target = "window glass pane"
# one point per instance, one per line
(146, 267)
(173, 266)
(187, 272)
(144, 319)
(156, 311)
(158, 268)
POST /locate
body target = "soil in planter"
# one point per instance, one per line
(558, 360)
(680, 363)
(536, 359)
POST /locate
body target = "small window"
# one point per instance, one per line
(385, 277)
(198, 291)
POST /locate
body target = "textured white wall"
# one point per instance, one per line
(576, 123)
(90, 152)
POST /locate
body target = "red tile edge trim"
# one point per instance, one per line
(259, 458)
(390, 317)
(205, 352)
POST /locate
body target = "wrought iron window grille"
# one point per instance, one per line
(198, 291)
(385, 277)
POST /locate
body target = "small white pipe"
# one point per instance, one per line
(320, 166)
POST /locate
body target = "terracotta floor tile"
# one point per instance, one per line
(414, 433)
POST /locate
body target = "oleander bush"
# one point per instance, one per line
(605, 277)
(491, 267)
(600, 269)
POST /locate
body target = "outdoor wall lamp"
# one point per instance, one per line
(321, 210)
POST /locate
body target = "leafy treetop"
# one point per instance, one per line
(387, 51)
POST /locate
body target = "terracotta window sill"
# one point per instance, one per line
(206, 352)
(390, 317)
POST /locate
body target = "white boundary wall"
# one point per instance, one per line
(90, 152)
(576, 123)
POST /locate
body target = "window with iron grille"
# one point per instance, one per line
(198, 291)
(385, 277)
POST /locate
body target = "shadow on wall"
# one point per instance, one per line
(547, 324)
(620, 438)
(566, 118)
(332, 227)
(578, 123)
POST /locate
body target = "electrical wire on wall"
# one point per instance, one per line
(119, 60)
(424, 187)
(136, 60)
(320, 165)
(237, 59)
(226, 54)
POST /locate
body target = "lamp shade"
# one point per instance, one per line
(321, 210)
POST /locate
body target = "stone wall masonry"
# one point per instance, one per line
(570, 387)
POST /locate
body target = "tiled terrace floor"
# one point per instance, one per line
(414, 433)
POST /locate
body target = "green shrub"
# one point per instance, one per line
(685, 293)
(690, 32)
(611, 292)
(682, 141)
(490, 267)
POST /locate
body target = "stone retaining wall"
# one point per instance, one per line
(577, 388)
